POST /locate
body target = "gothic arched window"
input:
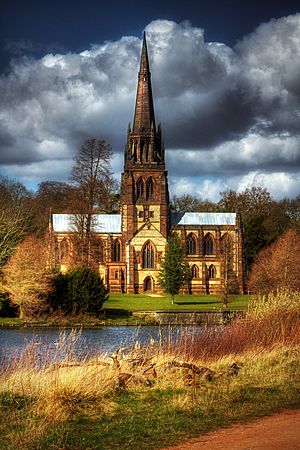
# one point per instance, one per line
(148, 256)
(149, 188)
(191, 245)
(208, 245)
(195, 271)
(139, 188)
(116, 251)
(212, 271)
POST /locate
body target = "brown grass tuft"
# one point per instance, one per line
(271, 321)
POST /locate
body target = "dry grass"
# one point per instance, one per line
(271, 320)
(44, 394)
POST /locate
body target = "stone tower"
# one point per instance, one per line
(144, 195)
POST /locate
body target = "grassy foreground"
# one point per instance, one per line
(146, 398)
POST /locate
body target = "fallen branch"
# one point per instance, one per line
(195, 369)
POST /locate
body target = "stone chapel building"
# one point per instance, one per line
(132, 243)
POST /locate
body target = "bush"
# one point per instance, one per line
(80, 290)
(6, 307)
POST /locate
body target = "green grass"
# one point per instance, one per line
(143, 302)
(139, 302)
(10, 321)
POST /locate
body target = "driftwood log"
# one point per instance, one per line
(204, 372)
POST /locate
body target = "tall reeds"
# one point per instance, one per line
(271, 320)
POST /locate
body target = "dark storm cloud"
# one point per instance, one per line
(229, 111)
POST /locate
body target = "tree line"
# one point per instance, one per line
(269, 225)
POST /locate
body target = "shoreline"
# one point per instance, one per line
(155, 318)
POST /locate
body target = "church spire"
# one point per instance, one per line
(144, 144)
(144, 119)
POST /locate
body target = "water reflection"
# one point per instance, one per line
(48, 343)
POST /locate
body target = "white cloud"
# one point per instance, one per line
(279, 184)
(227, 113)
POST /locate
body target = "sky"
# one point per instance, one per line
(225, 78)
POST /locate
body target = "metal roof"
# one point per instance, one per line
(203, 218)
(103, 223)
(111, 223)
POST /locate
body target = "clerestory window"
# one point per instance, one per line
(191, 245)
(208, 245)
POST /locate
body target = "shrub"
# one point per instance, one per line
(80, 290)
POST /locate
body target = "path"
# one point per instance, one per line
(278, 432)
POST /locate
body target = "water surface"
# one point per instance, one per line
(88, 341)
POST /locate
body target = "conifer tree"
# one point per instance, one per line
(174, 272)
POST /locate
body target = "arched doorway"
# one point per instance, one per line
(148, 284)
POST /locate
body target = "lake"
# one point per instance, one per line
(87, 341)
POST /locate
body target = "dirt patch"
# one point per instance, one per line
(278, 432)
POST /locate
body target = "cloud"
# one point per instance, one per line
(226, 112)
(278, 184)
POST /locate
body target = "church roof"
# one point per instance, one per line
(203, 218)
(111, 223)
(103, 223)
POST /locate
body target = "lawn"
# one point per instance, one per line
(10, 321)
(143, 302)
(117, 305)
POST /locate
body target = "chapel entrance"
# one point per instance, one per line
(148, 284)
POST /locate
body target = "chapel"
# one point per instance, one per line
(132, 243)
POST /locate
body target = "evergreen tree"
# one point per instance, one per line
(174, 272)
(79, 290)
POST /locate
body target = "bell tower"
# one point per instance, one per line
(144, 195)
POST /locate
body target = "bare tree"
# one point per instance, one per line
(277, 266)
(91, 176)
(25, 277)
(190, 203)
(51, 195)
(251, 201)
(15, 216)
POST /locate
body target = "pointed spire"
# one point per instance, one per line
(144, 110)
